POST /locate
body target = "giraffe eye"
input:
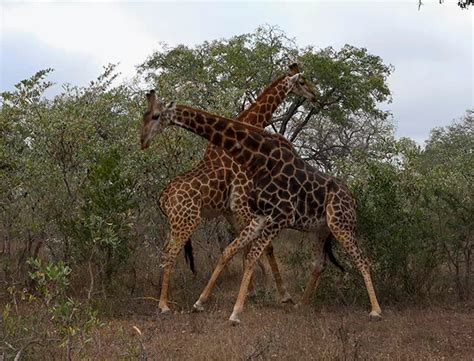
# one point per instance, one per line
(155, 116)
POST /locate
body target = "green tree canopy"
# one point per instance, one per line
(224, 76)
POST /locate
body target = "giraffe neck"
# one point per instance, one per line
(243, 142)
(261, 110)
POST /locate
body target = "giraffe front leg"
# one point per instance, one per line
(245, 251)
(163, 304)
(248, 234)
(169, 257)
(243, 217)
(239, 305)
(252, 257)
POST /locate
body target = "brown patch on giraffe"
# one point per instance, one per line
(217, 138)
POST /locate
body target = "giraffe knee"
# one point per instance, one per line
(318, 267)
(362, 263)
(228, 254)
(250, 262)
(269, 250)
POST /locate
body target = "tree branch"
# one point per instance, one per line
(287, 116)
(300, 126)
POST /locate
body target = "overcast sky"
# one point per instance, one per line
(431, 49)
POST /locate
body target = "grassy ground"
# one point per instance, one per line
(282, 333)
(325, 330)
(270, 330)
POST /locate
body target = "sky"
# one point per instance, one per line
(431, 49)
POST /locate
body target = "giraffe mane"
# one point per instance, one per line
(249, 127)
(267, 90)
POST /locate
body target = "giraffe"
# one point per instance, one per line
(218, 185)
(287, 193)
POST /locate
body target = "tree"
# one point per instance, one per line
(224, 76)
(463, 4)
(448, 169)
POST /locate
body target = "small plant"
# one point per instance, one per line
(46, 316)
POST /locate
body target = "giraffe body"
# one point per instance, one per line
(220, 186)
(286, 193)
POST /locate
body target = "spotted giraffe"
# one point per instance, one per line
(220, 186)
(287, 193)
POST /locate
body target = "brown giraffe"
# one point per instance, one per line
(218, 185)
(286, 193)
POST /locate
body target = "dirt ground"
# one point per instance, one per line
(284, 333)
(325, 330)
(272, 331)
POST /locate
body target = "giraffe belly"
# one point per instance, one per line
(210, 213)
(311, 225)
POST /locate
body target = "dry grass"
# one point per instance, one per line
(326, 330)
(323, 331)
(284, 333)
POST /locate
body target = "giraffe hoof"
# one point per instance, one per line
(234, 320)
(287, 299)
(375, 316)
(165, 310)
(198, 307)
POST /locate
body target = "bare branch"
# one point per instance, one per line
(287, 116)
(300, 126)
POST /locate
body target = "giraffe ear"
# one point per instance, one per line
(293, 69)
(171, 105)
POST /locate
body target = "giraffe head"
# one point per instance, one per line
(155, 119)
(298, 84)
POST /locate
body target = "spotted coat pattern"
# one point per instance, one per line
(220, 186)
(286, 193)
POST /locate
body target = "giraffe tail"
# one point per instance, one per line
(189, 256)
(330, 254)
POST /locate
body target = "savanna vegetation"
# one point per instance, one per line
(81, 231)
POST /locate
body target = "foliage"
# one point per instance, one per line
(47, 317)
(415, 212)
(447, 167)
(76, 192)
(225, 76)
(101, 229)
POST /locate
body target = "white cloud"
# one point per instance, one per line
(102, 31)
(431, 49)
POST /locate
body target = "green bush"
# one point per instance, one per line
(46, 317)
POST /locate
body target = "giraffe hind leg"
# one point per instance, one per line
(319, 264)
(179, 235)
(342, 226)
